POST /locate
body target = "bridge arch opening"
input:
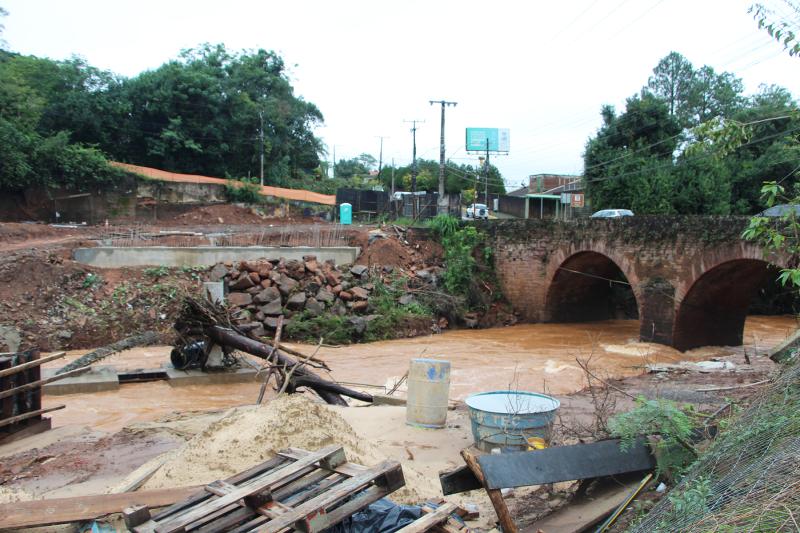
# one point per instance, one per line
(714, 309)
(589, 286)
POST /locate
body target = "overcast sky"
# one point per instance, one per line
(540, 68)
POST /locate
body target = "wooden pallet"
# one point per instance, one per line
(297, 490)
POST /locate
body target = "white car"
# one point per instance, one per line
(478, 211)
(613, 213)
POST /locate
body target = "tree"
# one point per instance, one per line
(672, 81)
(205, 112)
(625, 165)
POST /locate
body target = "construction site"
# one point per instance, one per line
(393, 267)
(183, 375)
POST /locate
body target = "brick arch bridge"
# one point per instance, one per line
(692, 278)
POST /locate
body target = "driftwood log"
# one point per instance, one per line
(210, 322)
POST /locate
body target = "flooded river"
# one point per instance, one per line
(534, 357)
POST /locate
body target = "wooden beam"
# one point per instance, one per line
(31, 364)
(37, 384)
(64, 510)
(499, 504)
(31, 414)
(564, 463)
(429, 520)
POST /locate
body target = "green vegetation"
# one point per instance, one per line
(444, 225)
(92, 280)
(248, 191)
(333, 329)
(664, 418)
(156, 272)
(690, 142)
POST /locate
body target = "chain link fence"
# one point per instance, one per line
(749, 478)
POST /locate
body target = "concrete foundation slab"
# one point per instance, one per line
(179, 378)
(171, 256)
(98, 379)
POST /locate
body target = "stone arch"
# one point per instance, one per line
(713, 309)
(582, 287)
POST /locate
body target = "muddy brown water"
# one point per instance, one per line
(536, 357)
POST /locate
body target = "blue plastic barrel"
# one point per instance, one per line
(507, 419)
(345, 213)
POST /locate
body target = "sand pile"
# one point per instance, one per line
(249, 435)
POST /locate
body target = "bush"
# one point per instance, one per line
(247, 191)
(444, 225)
(332, 328)
(460, 262)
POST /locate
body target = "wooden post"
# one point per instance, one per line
(494, 494)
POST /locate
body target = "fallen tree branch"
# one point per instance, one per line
(606, 383)
(206, 321)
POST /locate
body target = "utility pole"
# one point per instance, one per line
(380, 157)
(486, 178)
(261, 148)
(444, 104)
(414, 165)
(393, 178)
(334, 161)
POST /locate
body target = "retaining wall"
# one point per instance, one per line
(169, 256)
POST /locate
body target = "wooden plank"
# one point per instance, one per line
(426, 522)
(31, 364)
(461, 479)
(63, 510)
(506, 522)
(312, 515)
(564, 463)
(584, 512)
(37, 384)
(196, 515)
(32, 414)
(321, 521)
(347, 469)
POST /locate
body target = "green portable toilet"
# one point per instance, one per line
(345, 213)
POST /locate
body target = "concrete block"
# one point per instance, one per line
(215, 290)
(101, 378)
(178, 378)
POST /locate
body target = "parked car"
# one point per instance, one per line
(780, 210)
(477, 211)
(613, 213)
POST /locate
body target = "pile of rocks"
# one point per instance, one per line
(264, 290)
